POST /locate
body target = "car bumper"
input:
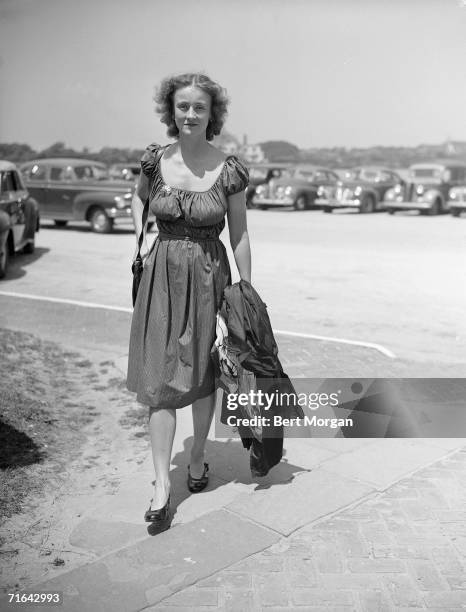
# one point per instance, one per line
(272, 201)
(458, 204)
(419, 205)
(355, 203)
(124, 214)
(119, 213)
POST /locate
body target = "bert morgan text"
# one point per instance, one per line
(277, 420)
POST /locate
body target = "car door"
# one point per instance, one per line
(61, 192)
(12, 205)
(35, 175)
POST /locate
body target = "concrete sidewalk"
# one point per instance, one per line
(340, 524)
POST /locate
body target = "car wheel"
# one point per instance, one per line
(100, 221)
(301, 203)
(4, 259)
(455, 212)
(391, 211)
(434, 209)
(263, 207)
(60, 223)
(30, 247)
(367, 205)
(327, 209)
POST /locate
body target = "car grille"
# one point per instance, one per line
(410, 191)
(347, 194)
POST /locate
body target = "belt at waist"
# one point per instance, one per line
(166, 236)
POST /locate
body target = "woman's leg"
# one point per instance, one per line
(162, 425)
(203, 411)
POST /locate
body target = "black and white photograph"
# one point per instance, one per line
(232, 305)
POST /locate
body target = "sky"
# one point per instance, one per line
(317, 73)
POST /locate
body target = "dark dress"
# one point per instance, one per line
(181, 290)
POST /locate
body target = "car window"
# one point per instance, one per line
(307, 175)
(383, 177)
(7, 182)
(83, 173)
(100, 172)
(320, 176)
(425, 173)
(18, 183)
(56, 173)
(61, 173)
(369, 175)
(36, 172)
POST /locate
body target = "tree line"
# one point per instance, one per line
(275, 151)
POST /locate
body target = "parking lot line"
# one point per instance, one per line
(378, 347)
(28, 296)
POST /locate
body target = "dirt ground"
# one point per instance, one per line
(69, 432)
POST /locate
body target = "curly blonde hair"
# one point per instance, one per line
(164, 101)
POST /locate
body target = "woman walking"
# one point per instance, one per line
(191, 186)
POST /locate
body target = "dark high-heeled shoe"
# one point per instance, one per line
(196, 485)
(159, 516)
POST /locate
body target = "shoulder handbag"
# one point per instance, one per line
(138, 265)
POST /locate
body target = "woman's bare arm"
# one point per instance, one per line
(137, 206)
(239, 237)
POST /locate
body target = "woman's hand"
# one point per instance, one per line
(221, 330)
(226, 364)
(144, 252)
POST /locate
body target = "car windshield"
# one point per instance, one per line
(363, 174)
(427, 173)
(307, 175)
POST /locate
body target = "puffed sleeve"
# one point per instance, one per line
(148, 160)
(235, 176)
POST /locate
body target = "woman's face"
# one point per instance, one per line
(192, 110)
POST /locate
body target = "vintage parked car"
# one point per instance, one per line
(457, 200)
(125, 172)
(262, 174)
(363, 188)
(19, 215)
(427, 188)
(298, 187)
(69, 189)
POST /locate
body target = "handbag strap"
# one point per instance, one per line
(145, 211)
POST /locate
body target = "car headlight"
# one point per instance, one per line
(289, 190)
(358, 191)
(430, 195)
(260, 190)
(456, 192)
(419, 190)
(321, 191)
(397, 189)
(391, 194)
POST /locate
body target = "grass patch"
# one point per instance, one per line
(42, 417)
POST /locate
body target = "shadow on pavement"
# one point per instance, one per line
(20, 261)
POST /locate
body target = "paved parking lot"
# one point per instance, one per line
(392, 280)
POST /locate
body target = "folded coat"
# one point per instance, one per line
(251, 346)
